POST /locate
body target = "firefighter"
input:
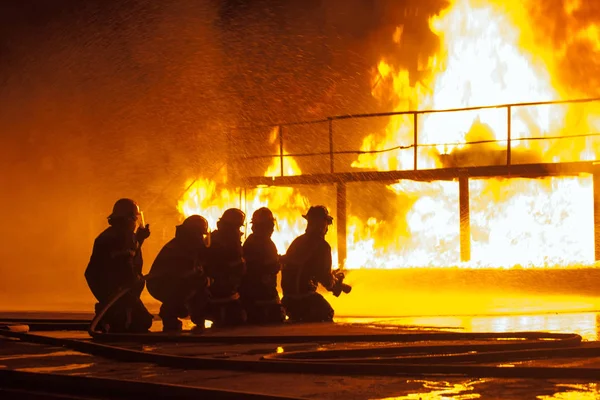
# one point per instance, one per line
(306, 264)
(225, 266)
(258, 291)
(116, 264)
(177, 277)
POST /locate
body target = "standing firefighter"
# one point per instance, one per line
(116, 264)
(259, 286)
(306, 264)
(177, 277)
(226, 267)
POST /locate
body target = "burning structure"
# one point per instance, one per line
(461, 173)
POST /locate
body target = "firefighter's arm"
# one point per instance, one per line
(142, 233)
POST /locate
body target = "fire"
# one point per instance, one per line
(485, 60)
(489, 55)
(209, 199)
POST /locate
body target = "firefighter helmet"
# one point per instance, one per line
(125, 208)
(318, 213)
(196, 222)
(233, 216)
(262, 215)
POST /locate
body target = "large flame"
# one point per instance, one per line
(485, 60)
(489, 55)
(209, 199)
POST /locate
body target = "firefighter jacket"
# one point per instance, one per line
(116, 262)
(175, 262)
(306, 264)
(225, 264)
(262, 266)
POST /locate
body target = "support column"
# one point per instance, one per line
(596, 178)
(465, 219)
(341, 224)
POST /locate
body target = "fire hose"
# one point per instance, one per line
(395, 354)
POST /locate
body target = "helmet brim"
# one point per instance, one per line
(328, 218)
(192, 227)
(116, 216)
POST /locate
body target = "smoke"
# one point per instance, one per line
(103, 100)
(572, 29)
(100, 101)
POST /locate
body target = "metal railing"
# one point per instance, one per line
(415, 145)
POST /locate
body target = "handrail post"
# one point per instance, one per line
(508, 134)
(415, 125)
(331, 162)
(281, 149)
(465, 217)
(341, 214)
(596, 194)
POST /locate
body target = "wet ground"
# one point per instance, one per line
(47, 359)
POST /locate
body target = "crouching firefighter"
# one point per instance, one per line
(177, 277)
(225, 266)
(258, 291)
(306, 264)
(115, 266)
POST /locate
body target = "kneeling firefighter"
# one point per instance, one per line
(226, 267)
(306, 264)
(115, 265)
(177, 276)
(258, 291)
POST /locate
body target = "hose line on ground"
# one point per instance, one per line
(411, 354)
(383, 367)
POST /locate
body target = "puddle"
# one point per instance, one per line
(440, 390)
(587, 391)
(484, 388)
(586, 324)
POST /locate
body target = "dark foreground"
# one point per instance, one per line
(16, 355)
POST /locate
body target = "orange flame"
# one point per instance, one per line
(207, 198)
(486, 60)
(488, 55)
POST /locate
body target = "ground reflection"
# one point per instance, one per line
(586, 324)
(481, 388)
(441, 390)
(587, 391)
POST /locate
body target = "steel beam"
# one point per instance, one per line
(512, 171)
(341, 224)
(465, 219)
(596, 178)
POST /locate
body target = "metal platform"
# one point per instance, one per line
(501, 163)
(436, 174)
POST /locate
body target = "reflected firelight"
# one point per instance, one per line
(585, 324)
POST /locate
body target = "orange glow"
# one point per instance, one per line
(209, 199)
(487, 56)
(485, 60)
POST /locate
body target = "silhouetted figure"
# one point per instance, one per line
(177, 276)
(115, 264)
(226, 267)
(306, 264)
(259, 286)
